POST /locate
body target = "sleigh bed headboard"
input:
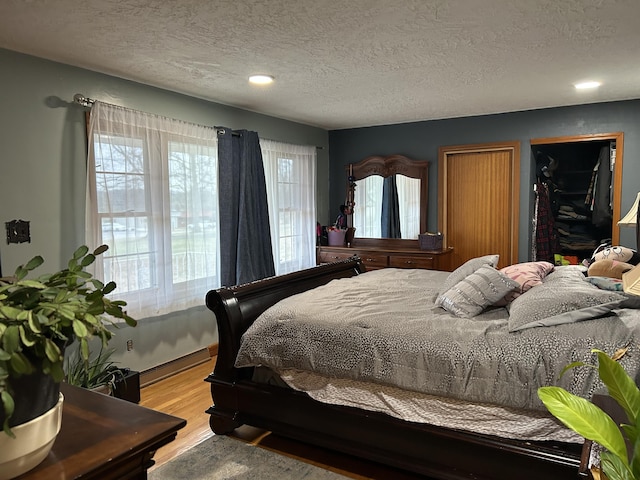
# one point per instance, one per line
(236, 308)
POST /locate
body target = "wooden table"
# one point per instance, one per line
(104, 438)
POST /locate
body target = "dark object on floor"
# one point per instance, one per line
(127, 387)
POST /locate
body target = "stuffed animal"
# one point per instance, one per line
(608, 268)
(619, 253)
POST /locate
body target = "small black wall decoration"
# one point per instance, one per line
(18, 231)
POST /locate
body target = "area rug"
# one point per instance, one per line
(221, 457)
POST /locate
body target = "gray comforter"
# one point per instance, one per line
(383, 327)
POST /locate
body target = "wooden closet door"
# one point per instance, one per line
(478, 201)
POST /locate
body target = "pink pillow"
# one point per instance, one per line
(527, 275)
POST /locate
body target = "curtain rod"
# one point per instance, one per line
(82, 100)
(88, 102)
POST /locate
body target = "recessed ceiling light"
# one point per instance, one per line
(587, 85)
(261, 79)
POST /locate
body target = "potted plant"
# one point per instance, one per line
(590, 421)
(39, 318)
(98, 372)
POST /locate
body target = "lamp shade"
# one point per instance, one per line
(631, 218)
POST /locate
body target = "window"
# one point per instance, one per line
(290, 172)
(153, 199)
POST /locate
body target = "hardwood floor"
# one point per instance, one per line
(187, 395)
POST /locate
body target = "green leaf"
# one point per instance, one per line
(11, 339)
(26, 337)
(9, 312)
(80, 329)
(109, 287)
(635, 459)
(80, 252)
(84, 348)
(9, 407)
(32, 284)
(614, 468)
(56, 371)
(21, 364)
(631, 432)
(21, 272)
(88, 260)
(34, 322)
(34, 263)
(572, 365)
(100, 250)
(621, 387)
(52, 351)
(585, 418)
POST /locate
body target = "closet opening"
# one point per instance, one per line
(577, 190)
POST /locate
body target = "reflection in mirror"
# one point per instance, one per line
(375, 213)
(408, 179)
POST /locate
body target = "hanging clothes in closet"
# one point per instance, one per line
(546, 235)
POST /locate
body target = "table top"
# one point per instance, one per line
(102, 435)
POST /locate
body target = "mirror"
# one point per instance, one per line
(393, 188)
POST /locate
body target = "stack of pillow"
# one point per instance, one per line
(477, 284)
(562, 294)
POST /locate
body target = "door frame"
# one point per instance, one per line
(617, 172)
(513, 147)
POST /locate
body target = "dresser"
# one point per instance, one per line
(387, 253)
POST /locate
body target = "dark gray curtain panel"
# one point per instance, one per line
(390, 209)
(245, 239)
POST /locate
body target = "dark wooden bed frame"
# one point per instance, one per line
(424, 449)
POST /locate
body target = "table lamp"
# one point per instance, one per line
(631, 219)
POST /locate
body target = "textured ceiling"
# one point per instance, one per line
(348, 63)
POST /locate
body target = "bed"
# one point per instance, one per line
(312, 402)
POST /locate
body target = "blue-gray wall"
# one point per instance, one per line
(42, 177)
(420, 141)
(42, 167)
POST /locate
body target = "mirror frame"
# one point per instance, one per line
(385, 166)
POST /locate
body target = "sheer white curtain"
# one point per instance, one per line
(152, 196)
(409, 200)
(368, 208)
(290, 173)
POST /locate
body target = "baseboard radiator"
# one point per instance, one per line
(168, 369)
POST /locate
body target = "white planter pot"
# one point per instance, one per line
(32, 444)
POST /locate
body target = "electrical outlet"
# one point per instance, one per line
(129, 345)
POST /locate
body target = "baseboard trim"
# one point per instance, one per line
(178, 365)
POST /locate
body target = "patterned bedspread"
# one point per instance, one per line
(383, 327)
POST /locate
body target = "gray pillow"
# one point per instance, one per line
(473, 294)
(564, 296)
(466, 269)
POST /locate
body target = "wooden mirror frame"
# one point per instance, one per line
(385, 166)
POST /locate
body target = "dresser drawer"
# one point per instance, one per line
(329, 257)
(397, 261)
(374, 260)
